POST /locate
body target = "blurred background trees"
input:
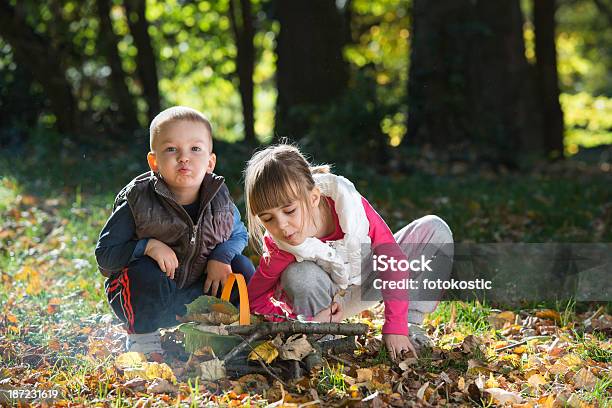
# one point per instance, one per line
(353, 80)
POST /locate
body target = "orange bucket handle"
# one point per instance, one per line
(245, 312)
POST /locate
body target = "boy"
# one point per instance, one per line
(174, 233)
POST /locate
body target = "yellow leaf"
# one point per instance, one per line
(150, 371)
(536, 380)
(130, 359)
(23, 274)
(159, 370)
(475, 367)
(508, 316)
(547, 401)
(519, 350)
(461, 384)
(266, 351)
(34, 285)
(491, 382)
(11, 318)
(549, 314)
(223, 308)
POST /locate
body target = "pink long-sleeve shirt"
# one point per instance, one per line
(265, 283)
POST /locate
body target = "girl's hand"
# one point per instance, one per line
(216, 276)
(332, 314)
(397, 344)
(163, 255)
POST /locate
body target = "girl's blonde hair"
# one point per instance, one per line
(275, 177)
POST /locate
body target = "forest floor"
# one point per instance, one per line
(57, 332)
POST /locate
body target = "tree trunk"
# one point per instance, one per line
(469, 79)
(546, 66)
(37, 54)
(310, 67)
(146, 62)
(108, 43)
(244, 33)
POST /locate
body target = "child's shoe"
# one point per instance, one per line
(146, 343)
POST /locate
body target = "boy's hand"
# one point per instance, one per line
(397, 344)
(332, 314)
(163, 255)
(216, 276)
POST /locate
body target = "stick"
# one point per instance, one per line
(337, 346)
(267, 328)
(261, 362)
(341, 360)
(524, 341)
(247, 342)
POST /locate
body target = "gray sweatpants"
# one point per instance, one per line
(310, 289)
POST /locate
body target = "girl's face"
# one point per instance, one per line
(292, 223)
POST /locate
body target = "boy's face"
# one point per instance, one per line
(182, 154)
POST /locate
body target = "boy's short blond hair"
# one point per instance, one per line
(175, 114)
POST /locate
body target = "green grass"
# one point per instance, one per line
(470, 317)
(601, 393)
(331, 378)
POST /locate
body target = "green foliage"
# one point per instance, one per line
(584, 45)
(470, 317)
(203, 303)
(601, 393)
(588, 121)
(332, 379)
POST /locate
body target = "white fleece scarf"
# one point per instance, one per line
(340, 259)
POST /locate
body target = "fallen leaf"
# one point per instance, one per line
(266, 351)
(491, 382)
(476, 367)
(130, 359)
(161, 386)
(405, 364)
(461, 384)
(503, 396)
(212, 370)
(549, 314)
(421, 392)
(364, 374)
(585, 379)
(535, 380)
(295, 348)
(150, 371)
(137, 384)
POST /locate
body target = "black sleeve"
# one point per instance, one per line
(117, 245)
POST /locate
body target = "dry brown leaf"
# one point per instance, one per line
(549, 314)
(585, 379)
(421, 392)
(212, 370)
(161, 386)
(476, 367)
(406, 363)
(364, 374)
(503, 396)
(295, 348)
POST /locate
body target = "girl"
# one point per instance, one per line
(312, 226)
